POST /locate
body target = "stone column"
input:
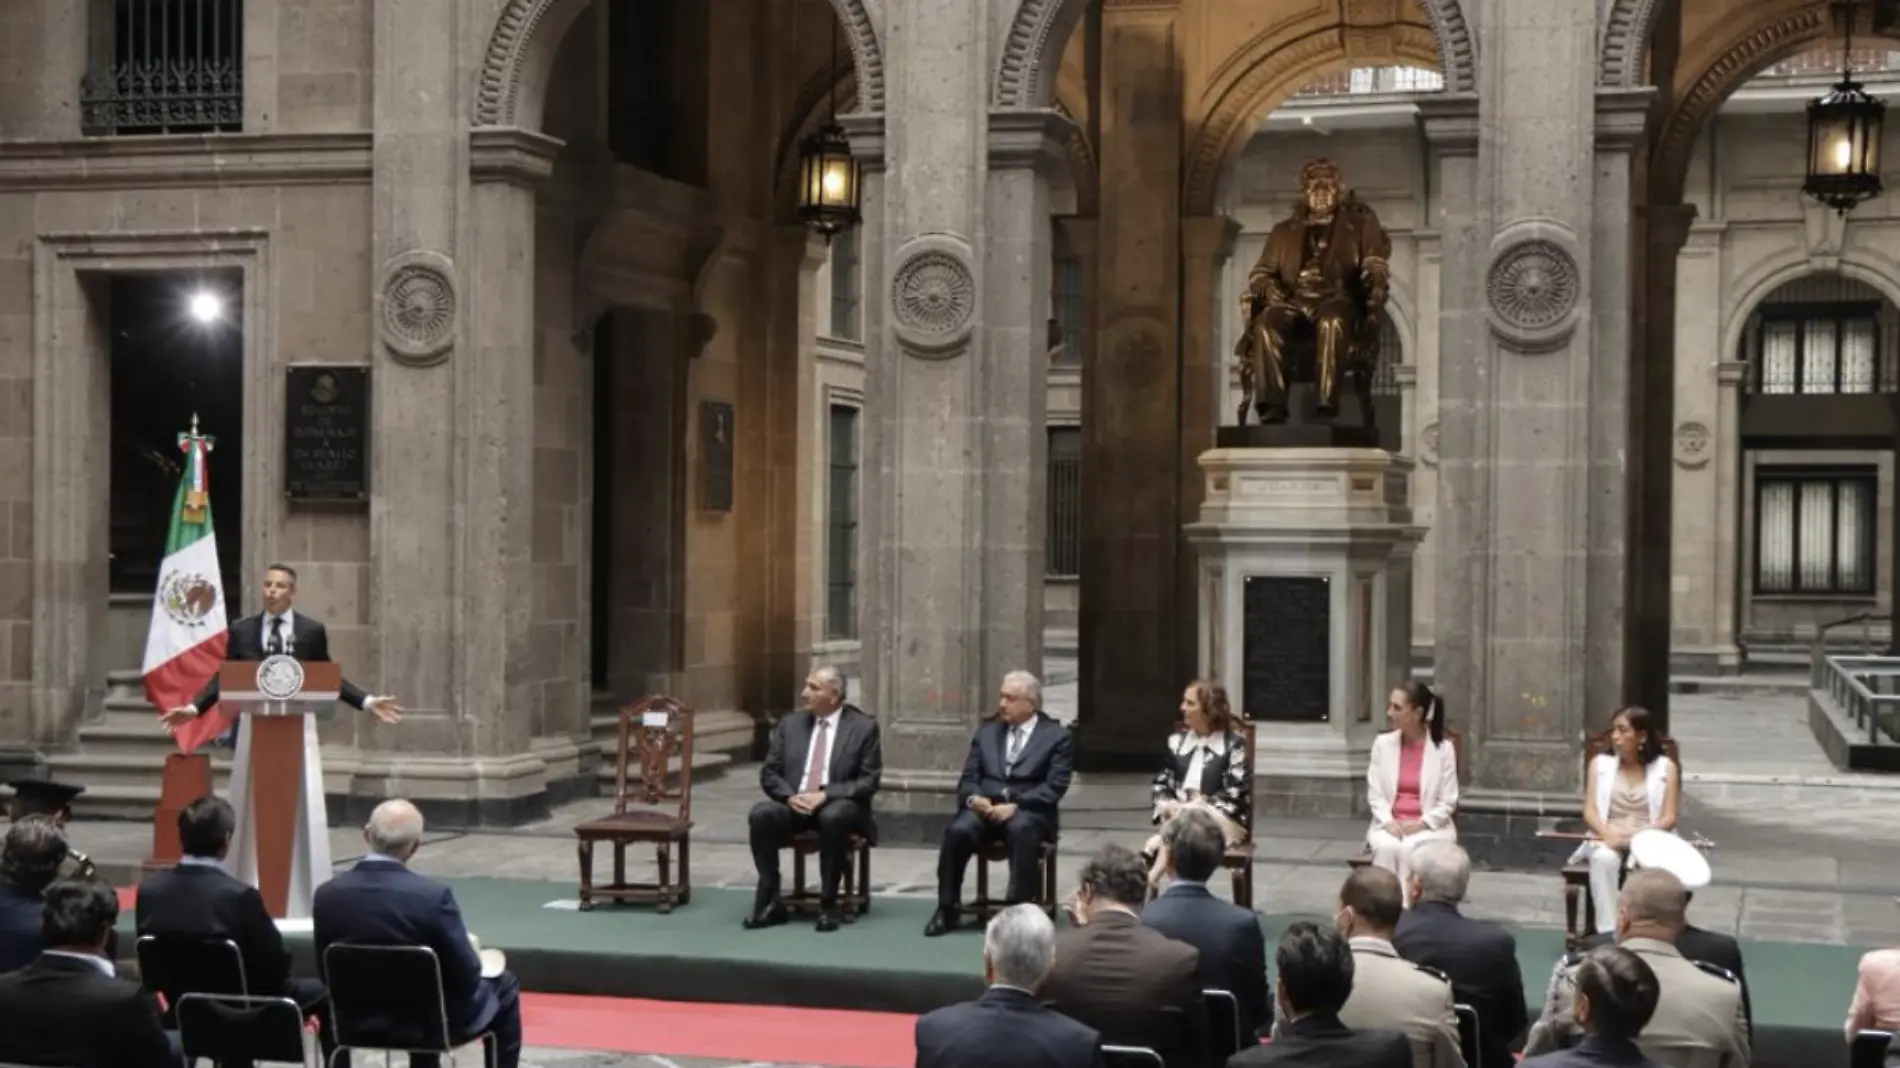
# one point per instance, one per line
(1133, 553)
(1729, 378)
(1206, 244)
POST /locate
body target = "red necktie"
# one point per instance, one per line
(815, 761)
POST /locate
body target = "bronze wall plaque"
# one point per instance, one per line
(326, 433)
(715, 454)
(1286, 648)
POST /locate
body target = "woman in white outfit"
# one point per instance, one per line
(1205, 767)
(1630, 788)
(1412, 782)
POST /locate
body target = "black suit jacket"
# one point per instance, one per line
(20, 913)
(1480, 959)
(62, 1010)
(1039, 779)
(244, 640)
(1324, 1042)
(857, 757)
(1593, 1053)
(382, 903)
(199, 902)
(1133, 984)
(1005, 1028)
(1232, 948)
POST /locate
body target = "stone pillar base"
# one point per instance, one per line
(913, 807)
(457, 792)
(1499, 828)
(1310, 771)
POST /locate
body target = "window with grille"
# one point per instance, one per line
(1818, 350)
(1814, 530)
(1063, 550)
(164, 67)
(847, 287)
(841, 524)
(1071, 307)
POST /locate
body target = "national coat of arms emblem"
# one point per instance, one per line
(280, 677)
(189, 598)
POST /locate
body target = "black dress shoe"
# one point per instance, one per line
(827, 921)
(942, 922)
(771, 915)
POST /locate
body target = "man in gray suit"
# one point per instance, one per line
(1699, 1021)
(1388, 992)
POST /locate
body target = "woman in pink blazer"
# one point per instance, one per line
(1412, 782)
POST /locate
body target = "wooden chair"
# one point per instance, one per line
(996, 851)
(1238, 860)
(1363, 858)
(854, 890)
(1577, 875)
(656, 743)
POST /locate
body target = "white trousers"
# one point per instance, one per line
(1606, 876)
(1394, 854)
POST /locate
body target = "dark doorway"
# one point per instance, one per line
(177, 350)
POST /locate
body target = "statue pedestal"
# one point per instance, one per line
(1305, 573)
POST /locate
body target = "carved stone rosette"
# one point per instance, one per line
(1533, 289)
(933, 296)
(1693, 445)
(418, 307)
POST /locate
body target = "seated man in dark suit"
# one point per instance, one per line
(1312, 980)
(197, 901)
(1012, 782)
(1134, 985)
(821, 771)
(1007, 1027)
(30, 862)
(380, 902)
(69, 1007)
(1617, 995)
(1232, 948)
(1480, 958)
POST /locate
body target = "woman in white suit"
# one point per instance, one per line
(1631, 788)
(1412, 783)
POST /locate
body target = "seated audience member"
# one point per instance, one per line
(198, 901)
(1388, 992)
(821, 771)
(1007, 1027)
(1876, 1004)
(380, 902)
(1012, 782)
(1411, 780)
(1697, 944)
(69, 1007)
(1313, 977)
(1631, 788)
(1616, 997)
(1134, 985)
(1228, 938)
(46, 799)
(1478, 956)
(1699, 1019)
(1205, 768)
(35, 849)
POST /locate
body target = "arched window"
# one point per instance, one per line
(1821, 334)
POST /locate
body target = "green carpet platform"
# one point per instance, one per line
(884, 963)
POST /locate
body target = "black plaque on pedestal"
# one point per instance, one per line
(1286, 649)
(326, 433)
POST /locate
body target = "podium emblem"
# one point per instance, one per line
(280, 677)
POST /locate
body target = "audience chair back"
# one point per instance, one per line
(390, 998)
(1131, 1057)
(1469, 1033)
(175, 967)
(1869, 1049)
(1223, 1025)
(229, 1029)
(656, 737)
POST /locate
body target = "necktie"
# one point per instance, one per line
(1015, 747)
(276, 635)
(815, 763)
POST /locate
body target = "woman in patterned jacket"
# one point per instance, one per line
(1205, 767)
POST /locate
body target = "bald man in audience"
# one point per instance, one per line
(1698, 1023)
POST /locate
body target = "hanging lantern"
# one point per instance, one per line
(1844, 147)
(828, 188)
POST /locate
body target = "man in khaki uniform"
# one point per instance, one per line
(1699, 1022)
(1388, 992)
(51, 801)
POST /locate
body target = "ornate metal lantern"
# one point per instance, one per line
(1844, 137)
(828, 181)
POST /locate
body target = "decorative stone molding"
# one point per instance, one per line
(1533, 288)
(1428, 445)
(1625, 40)
(511, 156)
(1694, 445)
(933, 295)
(101, 163)
(1457, 48)
(418, 307)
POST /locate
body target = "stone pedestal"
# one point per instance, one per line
(1329, 530)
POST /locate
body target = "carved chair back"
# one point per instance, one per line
(656, 744)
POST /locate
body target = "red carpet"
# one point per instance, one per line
(737, 1032)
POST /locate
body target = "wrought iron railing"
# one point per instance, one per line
(166, 66)
(1826, 62)
(1360, 80)
(1865, 688)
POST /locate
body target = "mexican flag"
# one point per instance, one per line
(186, 642)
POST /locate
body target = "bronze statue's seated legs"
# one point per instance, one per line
(1276, 324)
(1332, 328)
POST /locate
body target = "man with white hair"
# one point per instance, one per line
(1479, 957)
(821, 771)
(1012, 784)
(1008, 1027)
(380, 902)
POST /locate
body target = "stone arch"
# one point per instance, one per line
(1040, 29)
(1625, 41)
(1875, 269)
(510, 88)
(1275, 70)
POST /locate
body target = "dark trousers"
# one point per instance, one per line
(773, 824)
(968, 832)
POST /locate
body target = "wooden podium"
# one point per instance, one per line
(276, 693)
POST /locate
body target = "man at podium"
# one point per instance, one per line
(280, 631)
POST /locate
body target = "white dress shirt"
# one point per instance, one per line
(820, 756)
(1018, 738)
(105, 967)
(286, 632)
(1197, 764)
